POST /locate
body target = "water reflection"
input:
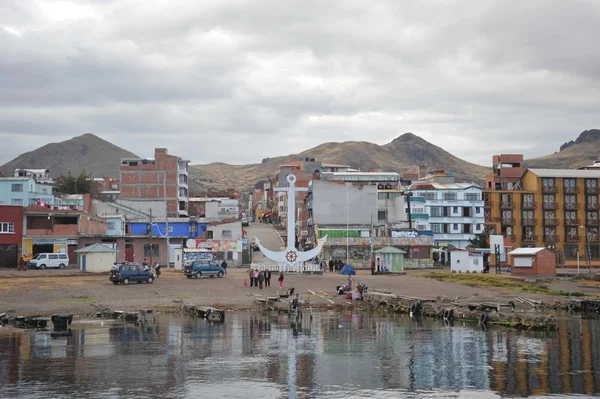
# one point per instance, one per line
(327, 355)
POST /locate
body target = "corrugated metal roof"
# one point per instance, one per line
(526, 251)
(95, 248)
(440, 186)
(572, 173)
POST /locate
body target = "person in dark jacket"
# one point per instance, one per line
(261, 278)
(267, 278)
(224, 266)
(331, 264)
(251, 277)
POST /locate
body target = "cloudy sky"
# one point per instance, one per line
(241, 80)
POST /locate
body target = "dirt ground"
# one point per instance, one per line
(48, 292)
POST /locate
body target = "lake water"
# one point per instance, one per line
(334, 355)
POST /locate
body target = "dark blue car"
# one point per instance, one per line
(126, 273)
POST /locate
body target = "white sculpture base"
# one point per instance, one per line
(285, 268)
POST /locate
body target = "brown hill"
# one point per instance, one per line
(401, 155)
(87, 152)
(573, 154)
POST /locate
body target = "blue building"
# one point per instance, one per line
(25, 191)
(178, 227)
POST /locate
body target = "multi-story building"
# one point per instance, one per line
(26, 191)
(555, 208)
(507, 170)
(11, 235)
(105, 188)
(383, 180)
(455, 211)
(163, 178)
(42, 176)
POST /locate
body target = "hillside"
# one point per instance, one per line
(401, 155)
(573, 154)
(86, 152)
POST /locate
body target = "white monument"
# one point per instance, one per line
(291, 259)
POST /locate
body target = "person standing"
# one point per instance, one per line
(256, 273)
(21, 265)
(372, 267)
(331, 265)
(224, 265)
(378, 265)
(280, 279)
(251, 277)
(324, 265)
(261, 278)
(267, 278)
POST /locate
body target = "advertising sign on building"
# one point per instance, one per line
(215, 245)
(405, 234)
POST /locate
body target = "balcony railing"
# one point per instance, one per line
(509, 221)
(529, 205)
(551, 238)
(571, 206)
(529, 238)
(571, 190)
(572, 222)
(573, 239)
(488, 203)
(551, 222)
(507, 205)
(592, 222)
(550, 189)
(591, 206)
(591, 190)
(529, 222)
(548, 205)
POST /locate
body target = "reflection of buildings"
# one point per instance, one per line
(335, 351)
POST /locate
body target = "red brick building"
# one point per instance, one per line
(11, 234)
(507, 170)
(164, 178)
(532, 262)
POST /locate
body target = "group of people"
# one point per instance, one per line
(336, 265)
(260, 278)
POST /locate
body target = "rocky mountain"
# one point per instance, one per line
(87, 152)
(403, 154)
(573, 154)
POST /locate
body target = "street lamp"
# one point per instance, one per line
(589, 253)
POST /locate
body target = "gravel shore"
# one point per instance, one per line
(48, 292)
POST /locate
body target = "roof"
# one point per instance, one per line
(33, 170)
(72, 196)
(389, 250)
(334, 165)
(162, 220)
(13, 178)
(207, 199)
(440, 186)
(573, 173)
(355, 173)
(526, 251)
(291, 164)
(96, 248)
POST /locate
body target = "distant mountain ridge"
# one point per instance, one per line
(573, 154)
(86, 152)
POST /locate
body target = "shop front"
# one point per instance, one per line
(31, 246)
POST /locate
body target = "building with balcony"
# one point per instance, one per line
(163, 178)
(26, 191)
(42, 176)
(553, 208)
(455, 211)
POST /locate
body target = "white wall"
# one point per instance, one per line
(521, 261)
(395, 209)
(211, 209)
(235, 228)
(98, 262)
(463, 261)
(330, 204)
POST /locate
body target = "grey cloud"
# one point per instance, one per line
(242, 80)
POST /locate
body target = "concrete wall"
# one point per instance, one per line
(97, 262)
(211, 210)
(115, 226)
(157, 207)
(235, 229)
(544, 264)
(329, 203)
(463, 261)
(395, 209)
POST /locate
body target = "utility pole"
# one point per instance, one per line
(347, 223)
(151, 247)
(408, 195)
(167, 215)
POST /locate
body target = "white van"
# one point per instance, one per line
(42, 261)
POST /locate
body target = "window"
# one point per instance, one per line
(478, 227)
(226, 234)
(591, 185)
(449, 196)
(114, 186)
(549, 201)
(151, 250)
(51, 257)
(110, 225)
(430, 196)
(570, 251)
(570, 185)
(381, 215)
(436, 211)
(16, 201)
(455, 226)
(418, 210)
(455, 209)
(472, 197)
(478, 210)
(548, 183)
(209, 234)
(17, 188)
(570, 216)
(7, 227)
(437, 227)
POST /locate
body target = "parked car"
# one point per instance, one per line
(130, 272)
(203, 268)
(44, 260)
(245, 222)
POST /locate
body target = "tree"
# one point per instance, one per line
(71, 184)
(480, 241)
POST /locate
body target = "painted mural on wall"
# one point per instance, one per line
(197, 256)
(421, 240)
(216, 245)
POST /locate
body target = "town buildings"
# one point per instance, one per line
(26, 191)
(507, 170)
(11, 234)
(163, 178)
(455, 211)
(552, 208)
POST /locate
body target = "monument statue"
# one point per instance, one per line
(291, 259)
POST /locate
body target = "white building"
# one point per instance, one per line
(455, 211)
